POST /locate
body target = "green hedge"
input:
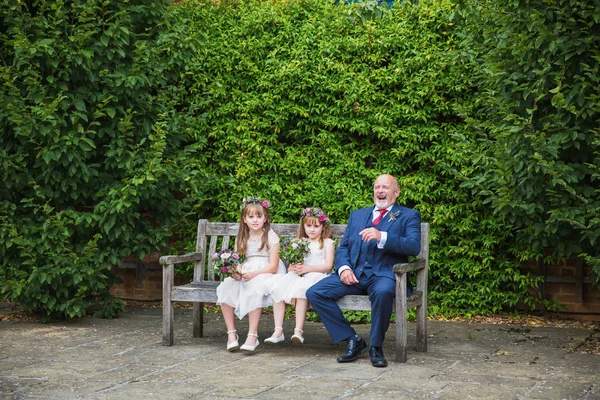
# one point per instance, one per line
(127, 121)
(305, 103)
(535, 120)
(88, 177)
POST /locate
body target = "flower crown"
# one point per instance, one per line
(315, 212)
(254, 200)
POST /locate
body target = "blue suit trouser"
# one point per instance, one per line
(324, 294)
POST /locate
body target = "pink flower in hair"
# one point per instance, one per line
(254, 200)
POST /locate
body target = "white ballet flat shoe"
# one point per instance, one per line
(246, 347)
(233, 346)
(298, 339)
(274, 340)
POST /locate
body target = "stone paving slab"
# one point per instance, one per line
(124, 359)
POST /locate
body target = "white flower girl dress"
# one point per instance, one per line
(291, 285)
(244, 296)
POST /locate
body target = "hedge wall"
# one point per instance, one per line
(535, 120)
(87, 176)
(305, 103)
(125, 122)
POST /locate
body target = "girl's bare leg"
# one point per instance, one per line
(253, 320)
(278, 315)
(301, 308)
(229, 317)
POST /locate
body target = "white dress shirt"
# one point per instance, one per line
(381, 242)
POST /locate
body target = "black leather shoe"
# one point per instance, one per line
(377, 357)
(355, 347)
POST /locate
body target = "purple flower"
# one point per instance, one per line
(322, 217)
(224, 270)
(235, 256)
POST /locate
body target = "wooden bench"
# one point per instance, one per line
(203, 287)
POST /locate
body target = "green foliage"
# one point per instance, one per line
(301, 105)
(364, 11)
(535, 120)
(52, 276)
(88, 174)
(124, 122)
(312, 316)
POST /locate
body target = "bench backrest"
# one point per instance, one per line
(210, 232)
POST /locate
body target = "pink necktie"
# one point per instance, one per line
(379, 217)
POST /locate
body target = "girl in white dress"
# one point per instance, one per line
(315, 226)
(247, 292)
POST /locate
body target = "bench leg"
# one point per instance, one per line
(167, 317)
(198, 318)
(422, 311)
(401, 323)
(421, 328)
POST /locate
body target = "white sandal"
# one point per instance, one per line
(298, 339)
(233, 346)
(274, 340)
(246, 347)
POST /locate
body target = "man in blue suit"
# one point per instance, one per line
(376, 238)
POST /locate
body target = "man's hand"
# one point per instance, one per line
(348, 277)
(370, 234)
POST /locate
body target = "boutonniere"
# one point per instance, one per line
(393, 216)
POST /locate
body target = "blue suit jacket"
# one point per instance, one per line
(403, 239)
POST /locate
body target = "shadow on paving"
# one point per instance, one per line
(124, 359)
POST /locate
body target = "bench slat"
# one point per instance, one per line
(231, 229)
(409, 267)
(166, 260)
(205, 292)
(225, 243)
(212, 249)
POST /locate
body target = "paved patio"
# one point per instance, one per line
(124, 359)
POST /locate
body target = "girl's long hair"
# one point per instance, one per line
(241, 242)
(325, 233)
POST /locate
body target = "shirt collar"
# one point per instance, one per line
(375, 209)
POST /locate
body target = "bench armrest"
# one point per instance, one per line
(403, 268)
(169, 260)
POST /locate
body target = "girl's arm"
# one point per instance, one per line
(273, 260)
(238, 274)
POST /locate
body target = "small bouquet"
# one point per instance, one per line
(226, 262)
(293, 250)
